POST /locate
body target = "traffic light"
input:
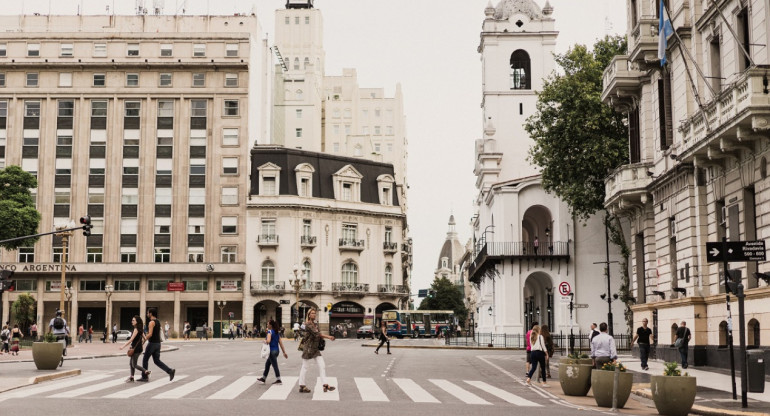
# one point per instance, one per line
(5, 281)
(86, 221)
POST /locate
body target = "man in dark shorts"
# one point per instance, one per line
(645, 338)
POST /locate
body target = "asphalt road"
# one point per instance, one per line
(220, 376)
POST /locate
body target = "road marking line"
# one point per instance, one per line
(459, 392)
(318, 392)
(369, 390)
(276, 392)
(56, 386)
(89, 389)
(234, 389)
(188, 388)
(537, 390)
(508, 397)
(414, 391)
(142, 388)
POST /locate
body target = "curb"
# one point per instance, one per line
(87, 357)
(39, 379)
(446, 347)
(703, 410)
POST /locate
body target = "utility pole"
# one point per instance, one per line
(607, 263)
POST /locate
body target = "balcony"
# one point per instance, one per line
(261, 288)
(621, 81)
(643, 43)
(350, 289)
(389, 247)
(392, 290)
(352, 245)
(490, 254)
(312, 287)
(267, 240)
(307, 241)
(627, 186)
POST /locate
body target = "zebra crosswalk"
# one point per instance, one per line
(224, 387)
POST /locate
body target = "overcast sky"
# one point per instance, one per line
(429, 46)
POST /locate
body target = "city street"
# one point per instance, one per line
(219, 376)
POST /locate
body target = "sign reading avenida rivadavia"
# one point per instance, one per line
(37, 267)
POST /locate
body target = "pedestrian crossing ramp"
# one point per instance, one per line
(220, 387)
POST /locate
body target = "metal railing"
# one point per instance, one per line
(307, 240)
(350, 287)
(312, 287)
(397, 289)
(356, 244)
(264, 287)
(267, 239)
(560, 342)
(388, 246)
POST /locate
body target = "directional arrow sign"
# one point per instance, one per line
(735, 251)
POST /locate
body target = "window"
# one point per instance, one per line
(388, 234)
(376, 112)
(158, 285)
(347, 191)
(347, 113)
(33, 49)
(165, 108)
(296, 20)
(65, 79)
(26, 254)
(162, 255)
(230, 137)
(198, 285)
(231, 80)
(336, 113)
(166, 49)
(307, 20)
(299, 94)
(268, 185)
(198, 167)
(349, 232)
(298, 133)
(229, 254)
(198, 108)
(132, 49)
(163, 196)
(197, 196)
(99, 80)
(162, 225)
(132, 108)
(231, 108)
(129, 196)
(299, 113)
(665, 116)
(196, 225)
(100, 50)
(165, 79)
(306, 63)
(377, 130)
(286, 20)
(230, 166)
(377, 147)
(336, 148)
(229, 195)
(744, 38)
(194, 255)
(32, 78)
(231, 49)
(229, 225)
(95, 195)
(388, 275)
(92, 285)
(132, 80)
(31, 108)
(57, 251)
(2, 79)
(347, 129)
(29, 285)
(94, 255)
(3, 49)
(66, 49)
(304, 187)
(296, 63)
(349, 273)
(98, 108)
(128, 225)
(268, 273)
(307, 228)
(306, 272)
(268, 230)
(365, 130)
(199, 79)
(199, 49)
(520, 70)
(336, 129)
(127, 285)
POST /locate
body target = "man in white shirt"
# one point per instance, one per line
(603, 347)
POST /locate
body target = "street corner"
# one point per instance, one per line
(54, 376)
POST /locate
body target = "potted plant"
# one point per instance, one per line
(575, 375)
(578, 358)
(48, 353)
(672, 392)
(602, 382)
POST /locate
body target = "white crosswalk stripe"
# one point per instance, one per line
(58, 385)
(280, 392)
(141, 388)
(234, 389)
(459, 392)
(369, 390)
(508, 397)
(89, 389)
(414, 391)
(318, 392)
(188, 388)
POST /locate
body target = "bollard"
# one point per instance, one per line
(615, 378)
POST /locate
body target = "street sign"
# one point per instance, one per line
(422, 293)
(735, 251)
(566, 299)
(564, 289)
(580, 305)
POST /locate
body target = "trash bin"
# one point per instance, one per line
(756, 373)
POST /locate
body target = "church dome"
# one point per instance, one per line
(507, 8)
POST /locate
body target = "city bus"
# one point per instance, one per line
(417, 323)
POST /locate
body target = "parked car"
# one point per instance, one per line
(124, 335)
(365, 331)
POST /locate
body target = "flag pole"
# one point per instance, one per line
(735, 35)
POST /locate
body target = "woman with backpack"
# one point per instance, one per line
(5, 334)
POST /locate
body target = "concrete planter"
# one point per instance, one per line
(673, 395)
(575, 379)
(602, 384)
(47, 355)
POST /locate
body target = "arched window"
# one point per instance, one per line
(752, 338)
(268, 273)
(296, 63)
(520, 70)
(307, 63)
(388, 275)
(349, 273)
(306, 272)
(723, 334)
(299, 94)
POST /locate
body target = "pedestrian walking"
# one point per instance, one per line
(153, 347)
(549, 350)
(58, 327)
(165, 330)
(114, 332)
(81, 331)
(594, 332)
(136, 341)
(682, 342)
(529, 346)
(232, 331)
(383, 337)
(5, 338)
(644, 338)
(310, 351)
(603, 347)
(16, 337)
(187, 331)
(538, 349)
(33, 331)
(274, 340)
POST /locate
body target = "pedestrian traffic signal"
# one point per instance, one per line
(86, 221)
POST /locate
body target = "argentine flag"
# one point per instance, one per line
(664, 31)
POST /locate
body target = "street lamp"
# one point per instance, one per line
(490, 311)
(108, 289)
(65, 235)
(69, 292)
(221, 304)
(296, 283)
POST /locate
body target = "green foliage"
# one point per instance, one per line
(612, 365)
(49, 337)
(18, 216)
(672, 369)
(576, 356)
(23, 309)
(446, 296)
(578, 139)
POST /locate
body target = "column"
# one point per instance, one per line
(6, 309)
(210, 304)
(143, 297)
(42, 324)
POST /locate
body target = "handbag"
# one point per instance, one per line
(321, 344)
(265, 351)
(678, 343)
(130, 352)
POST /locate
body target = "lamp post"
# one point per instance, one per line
(221, 304)
(69, 292)
(108, 289)
(296, 283)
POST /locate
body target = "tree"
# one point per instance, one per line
(579, 139)
(18, 216)
(445, 295)
(23, 309)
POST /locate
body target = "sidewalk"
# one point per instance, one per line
(80, 351)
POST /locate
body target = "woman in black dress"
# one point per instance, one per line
(136, 341)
